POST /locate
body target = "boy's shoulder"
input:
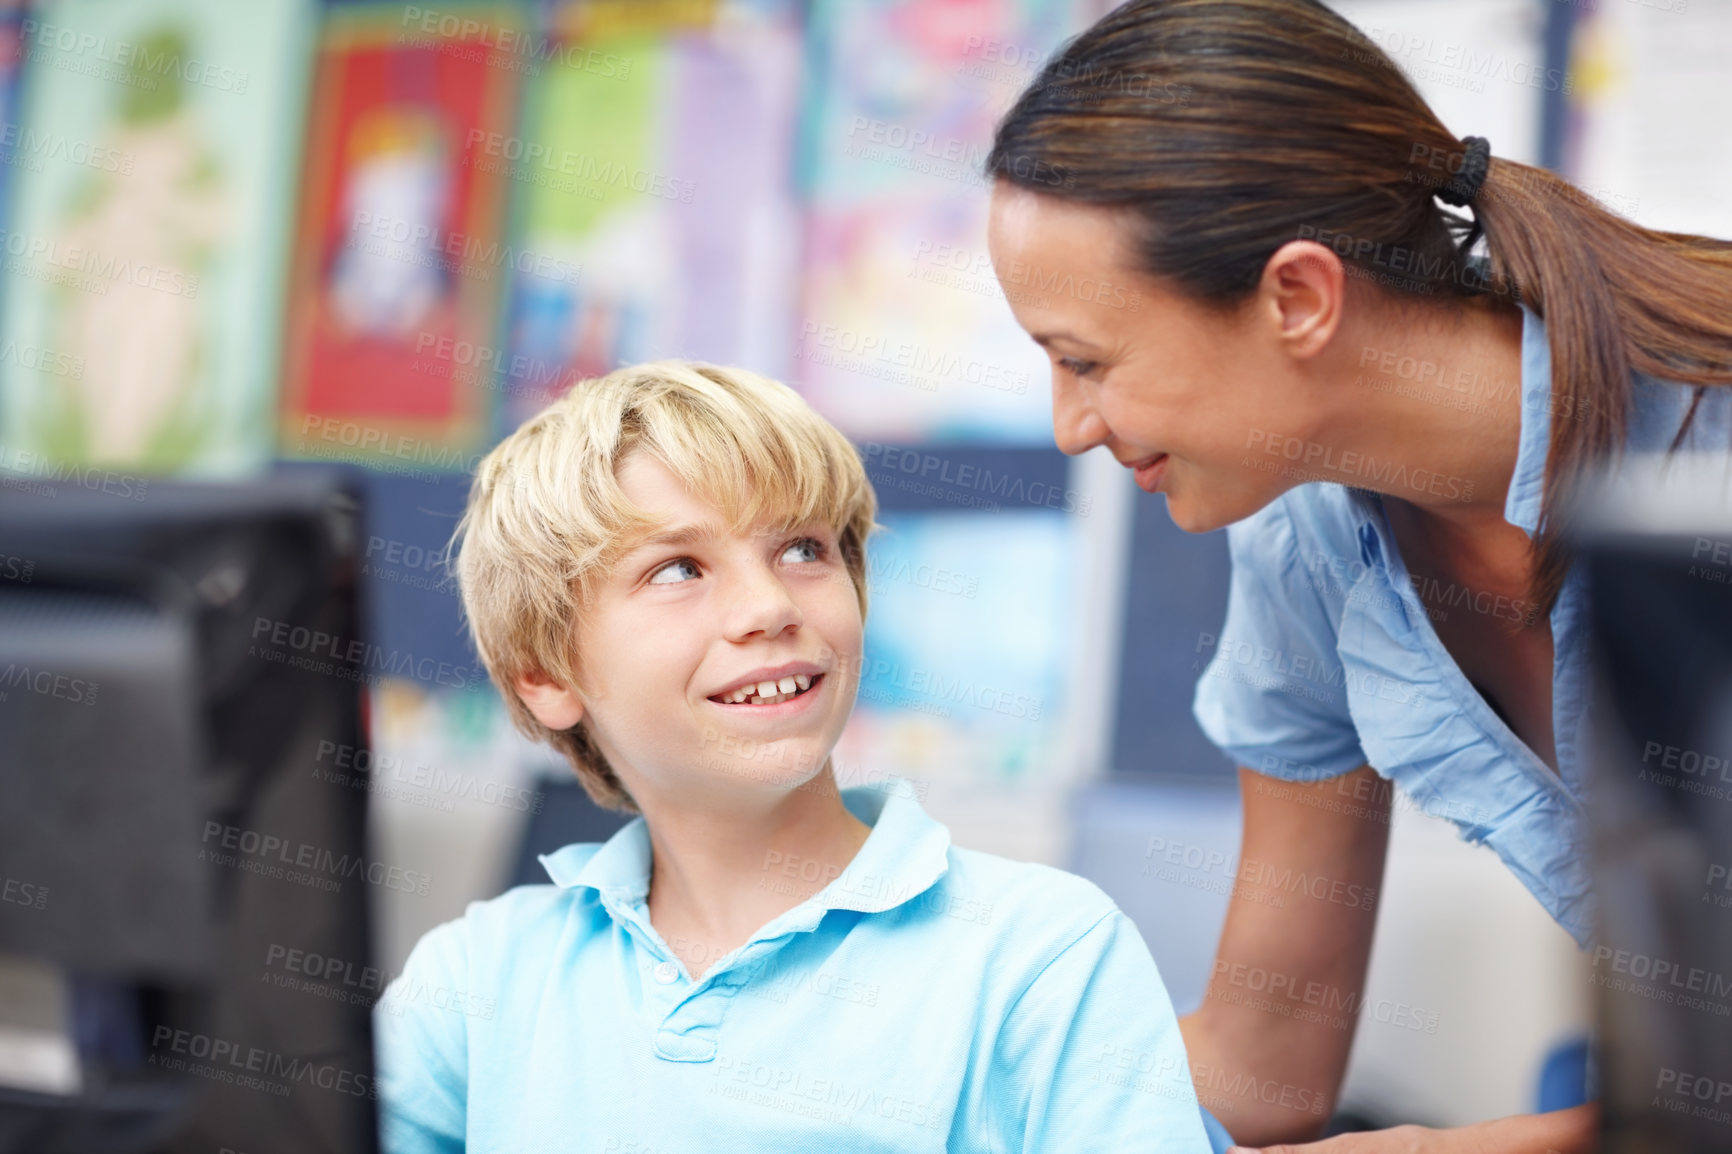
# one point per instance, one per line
(1023, 897)
(511, 921)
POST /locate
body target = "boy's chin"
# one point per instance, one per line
(762, 773)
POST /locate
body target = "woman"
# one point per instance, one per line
(1226, 222)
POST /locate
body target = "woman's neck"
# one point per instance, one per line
(1434, 398)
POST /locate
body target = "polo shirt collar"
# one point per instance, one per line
(904, 855)
(1527, 483)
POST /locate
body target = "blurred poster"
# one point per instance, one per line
(154, 161)
(951, 695)
(1648, 134)
(12, 156)
(905, 333)
(402, 258)
(656, 159)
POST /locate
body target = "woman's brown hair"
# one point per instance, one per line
(1231, 127)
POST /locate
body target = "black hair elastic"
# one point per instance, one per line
(1476, 158)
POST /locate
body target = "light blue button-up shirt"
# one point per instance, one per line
(929, 998)
(1328, 660)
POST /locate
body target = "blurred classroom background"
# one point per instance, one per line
(238, 234)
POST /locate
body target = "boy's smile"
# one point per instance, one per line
(766, 687)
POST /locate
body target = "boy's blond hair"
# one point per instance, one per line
(546, 517)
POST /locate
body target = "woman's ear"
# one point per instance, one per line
(1305, 284)
(548, 702)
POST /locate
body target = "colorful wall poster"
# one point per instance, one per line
(1647, 133)
(906, 334)
(13, 153)
(963, 686)
(154, 163)
(656, 157)
(401, 257)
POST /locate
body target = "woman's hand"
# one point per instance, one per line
(1560, 1132)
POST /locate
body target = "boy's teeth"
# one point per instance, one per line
(770, 692)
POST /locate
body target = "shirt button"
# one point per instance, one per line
(667, 972)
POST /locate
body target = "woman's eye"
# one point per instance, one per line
(806, 549)
(1077, 368)
(674, 572)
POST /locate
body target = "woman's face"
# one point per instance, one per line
(1186, 396)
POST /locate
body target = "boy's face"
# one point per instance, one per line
(712, 661)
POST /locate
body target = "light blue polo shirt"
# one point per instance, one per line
(1327, 659)
(929, 998)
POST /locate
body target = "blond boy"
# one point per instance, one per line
(665, 575)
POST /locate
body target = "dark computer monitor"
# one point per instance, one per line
(1658, 555)
(184, 953)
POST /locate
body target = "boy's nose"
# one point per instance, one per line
(762, 607)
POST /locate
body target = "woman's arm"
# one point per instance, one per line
(1571, 1131)
(1269, 1045)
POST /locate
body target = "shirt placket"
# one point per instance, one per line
(686, 1016)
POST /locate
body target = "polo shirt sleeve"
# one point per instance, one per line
(1273, 695)
(1090, 1057)
(421, 1046)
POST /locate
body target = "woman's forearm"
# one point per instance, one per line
(1269, 1045)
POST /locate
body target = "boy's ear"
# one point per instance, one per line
(550, 703)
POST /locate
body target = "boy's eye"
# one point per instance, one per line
(1077, 368)
(674, 572)
(806, 549)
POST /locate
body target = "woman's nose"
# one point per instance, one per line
(1076, 426)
